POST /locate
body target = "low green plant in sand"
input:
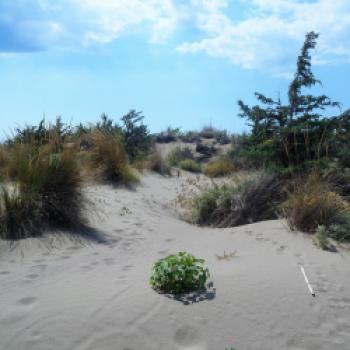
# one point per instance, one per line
(179, 273)
(320, 238)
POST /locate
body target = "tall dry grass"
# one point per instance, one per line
(45, 190)
(313, 203)
(110, 158)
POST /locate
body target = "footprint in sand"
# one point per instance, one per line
(64, 257)
(339, 303)
(32, 276)
(26, 301)
(281, 249)
(38, 261)
(3, 273)
(40, 267)
(109, 261)
(163, 252)
(187, 337)
(87, 267)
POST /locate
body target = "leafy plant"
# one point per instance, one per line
(179, 273)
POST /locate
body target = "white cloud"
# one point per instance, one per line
(266, 34)
(271, 32)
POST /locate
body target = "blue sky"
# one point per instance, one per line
(183, 63)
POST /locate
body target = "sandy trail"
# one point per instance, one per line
(63, 294)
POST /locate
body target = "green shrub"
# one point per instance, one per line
(312, 204)
(179, 273)
(178, 154)
(252, 200)
(220, 167)
(190, 165)
(340, 230)
(320, 238)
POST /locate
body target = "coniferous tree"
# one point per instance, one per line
(293, 134)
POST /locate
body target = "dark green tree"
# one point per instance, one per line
(137, 139)
(296, 133)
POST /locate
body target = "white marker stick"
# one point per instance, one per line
(307, 281)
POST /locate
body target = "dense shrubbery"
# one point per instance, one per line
(249, 201)
(179, 273)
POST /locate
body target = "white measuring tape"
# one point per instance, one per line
(307, 281)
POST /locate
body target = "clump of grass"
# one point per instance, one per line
(46, 191)
(20, 214)
(178, 154)
(110, 158)
(190, 165)
(218, 168)
(158, 164)
(312, 204)
(252, 200)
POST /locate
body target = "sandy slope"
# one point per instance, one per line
(57, 293)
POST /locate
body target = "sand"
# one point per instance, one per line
(61, 293)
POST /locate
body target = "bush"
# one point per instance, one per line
(312, 204)
(206, 150)
(178, 154)
(159, 165)
(340, 230)
(110, 157)
(220, 167)
(179, 273)
(253, 200)
(190, 165)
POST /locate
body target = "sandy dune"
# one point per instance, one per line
(63, 294)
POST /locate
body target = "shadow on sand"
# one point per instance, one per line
(208, 293)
